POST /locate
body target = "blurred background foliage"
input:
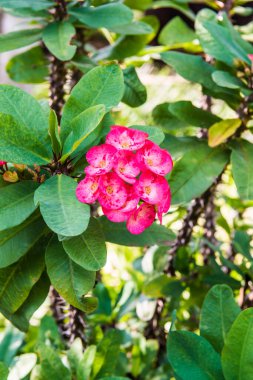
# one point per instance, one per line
(139, 303)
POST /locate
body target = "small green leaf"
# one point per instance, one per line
(241, 243)
(176, 32)
(54, 133)
(104, 16)
(132, 29)
(82, 127)
(221, 131)
(57, 37)
(61, 210)
(51, 366)
(16, 203)
(17, 280)
(16, 242)
(85, 365)
(192, 357)
(155, 134)
(88, 250)
(225, 79)
(218, 313)
(164, 118)
(16, 40)
(101, 85)
(28, 67)
(3, 371)
(237, 354)
(135, 93)
(36, 5)
(77, 281)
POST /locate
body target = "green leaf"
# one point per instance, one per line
(61, 210)
(181, 6)
(218, 313)
(54, 133)
(57, 37)
(195, 69)
(51, 366)
(16, 40)
(221, 131)
(161, 285)
(164, 118)
(77, 281)
(28, 67)
(20, 144)
(132, 29)
(85, 365)
(176, 32)
(16, 242)
(237, 354)
(108, 351)
(101, 85)
(16, 203)
(11, 341)
(225, 79)
(135, 93)
(118, 234)
(36, 5)
(3, 371)
(241, 243)
(242, 168)
(155, 134)
(188, 113)
(22, 366)
(36, 297)
(88, 250)
(17, 280)
(192, 357)
(82, 127)
(194, 173)
(104, 16)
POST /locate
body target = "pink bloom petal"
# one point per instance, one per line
(2, 163)
(116, 216)
(126, 166)
(101, 159)
(87, 190)
(154, 158)
(132, 201)
(164, 206)
(141, 219)
(113, 191)
(126, 138)
(250, 56)
(152, 188)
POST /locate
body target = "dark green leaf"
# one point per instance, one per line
(135, 93)
(241, 243)
(88, 250)
(164, 118)
(192, 357)
(15, 40)
(218, 313)
(28, 67)
(61, 210)
(57, 37)
(237, 354)
(77, 281)
(54, 133)
(176, 32)
(225, 79)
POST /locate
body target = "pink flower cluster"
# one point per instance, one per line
(2, 163)
(126, 170)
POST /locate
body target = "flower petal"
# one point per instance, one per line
(126, 138)
(152, 188)
(141, 219)
(126, 166)
(87, 190)
(152, 157)
(101, 159)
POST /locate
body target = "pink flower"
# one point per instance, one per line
(101, 159)
(152, 157)
(122, 214)
(126, 166)
(250, 56)
(116, 216)
(152, 188)
(141, 218)
(113, 191)
(2, 163)
(163, 207)
(87, 190)
(126, 138)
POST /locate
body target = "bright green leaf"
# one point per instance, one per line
(176, 32)
(155, 134)
(132, 29)
(54, 133)
(15, 40)
(221, 131)
(51, 366)
(36, 5)
(3, 371)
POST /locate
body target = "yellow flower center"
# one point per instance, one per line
(147, 190)
(109, 190)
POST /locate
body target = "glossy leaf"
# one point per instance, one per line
(77, 281)
(176, 32)
(18, 279)
(88, 250)
(28, 67)
(192, 357)
(16, 242)
(135, 93)
(57, 37)
(54, 133)
(104, 16)
(221, 131)
(101, 85)
(218, 313)
(15, 40)
(61, 210)
(242, 168)
(237, 354)
(118, 234)
(194, 173)
(225, 79)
